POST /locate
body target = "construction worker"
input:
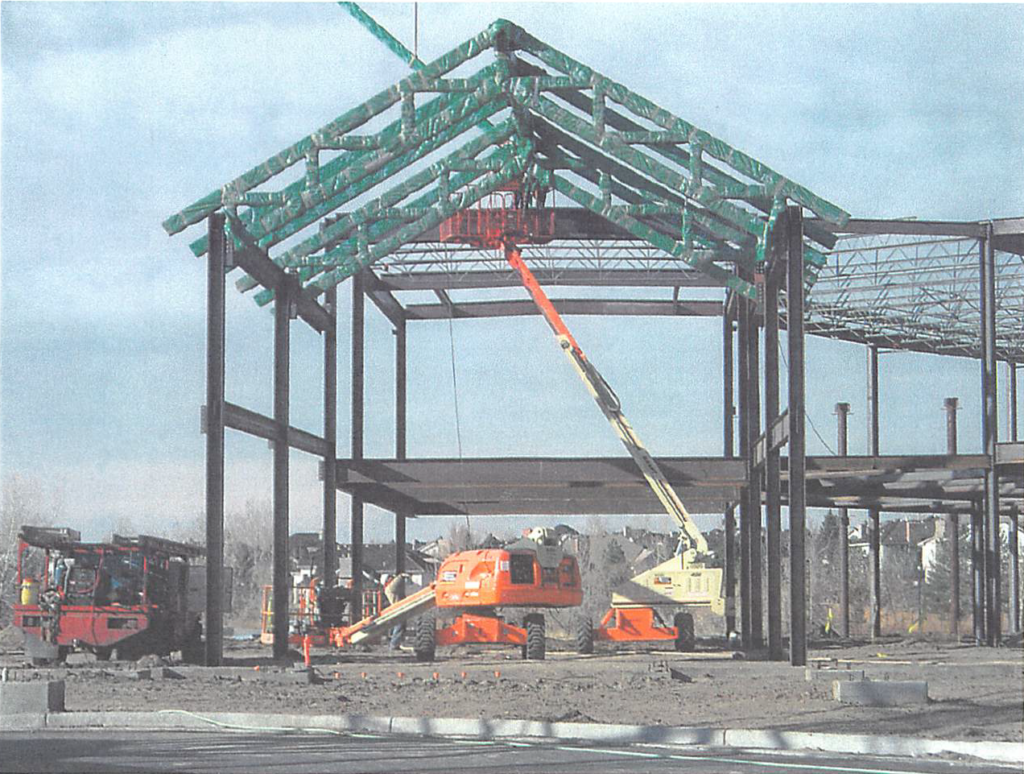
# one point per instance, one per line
(394, 590)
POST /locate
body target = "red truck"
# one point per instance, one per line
(126, 598)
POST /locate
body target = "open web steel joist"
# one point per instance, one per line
(532, 113)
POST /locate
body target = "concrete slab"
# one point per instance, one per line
(34, 696)
(818, 675)
(881, 693)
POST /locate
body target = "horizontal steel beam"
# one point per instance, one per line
(253, 423)
(383, 299)
(920, 227)
(433, 280)
(566, 306)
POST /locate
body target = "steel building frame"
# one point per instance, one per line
(695, 226)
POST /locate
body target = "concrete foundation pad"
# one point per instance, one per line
(34, 696)
(881, 693)
(819, 675)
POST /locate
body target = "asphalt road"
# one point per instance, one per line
(175, 751)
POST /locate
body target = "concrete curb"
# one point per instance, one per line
(750, 739)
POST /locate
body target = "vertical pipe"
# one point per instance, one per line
(215, 440)
(797, 439)
(742, 346)
(873, 514)
(990, 435)
(1011, 399)
(330, 551)
(728, 432)
(283, 296)
(953, 528)
(978, 571)
(843, 448)
(358, 374)
(772, 507)
(400, 543)
(1014, 570)
(400, 432)
(754, 524)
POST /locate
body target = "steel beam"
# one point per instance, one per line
(282, 570)
(214, 428)
(566, 306)
(990, 436)
(356, 450)
(797, 438)
(874, 515)
(842, 447)
(746, 451)
(330, 551)
(383, 299)
(1011, 401)
(728, 443)
(773, 510)
(248, 421)
(909, 227)
(472, 280)
(400, 543)
(401, 362)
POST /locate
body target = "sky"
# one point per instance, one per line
(116, 115)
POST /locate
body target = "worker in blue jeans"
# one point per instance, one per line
(394, 590)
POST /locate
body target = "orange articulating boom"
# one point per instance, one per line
(374, 626)
(609, 404)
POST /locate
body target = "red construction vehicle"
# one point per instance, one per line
(125, 598)
(683, 582)
(472, 585)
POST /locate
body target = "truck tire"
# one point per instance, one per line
(535, 642)
(584, 631)
(686, 638)
(103, 654)
(425, 644)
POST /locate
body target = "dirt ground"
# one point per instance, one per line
(976, 693)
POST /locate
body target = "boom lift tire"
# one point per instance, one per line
(535, 637)
(686, 637)
(584, 632)
(425, 643)
(103, 654)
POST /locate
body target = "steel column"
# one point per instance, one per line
(214, 428)
(978, 571)
(874, 515)
(330, 538)
(842, 447)
(754, 492)
(358, 383)
(1014, 548)
(1011, 400)
(399, 543)
(990, 435)
(797, 439)
(746, 454)
(953, 528)
(773, 510)
(400, 432)
(283, 298)
(728, 441)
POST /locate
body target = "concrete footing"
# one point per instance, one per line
(820, 675)
(31, 697)
(872, 693)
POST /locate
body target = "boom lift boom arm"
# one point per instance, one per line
(611, 407)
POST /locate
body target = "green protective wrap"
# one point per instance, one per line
(272, 226)
(644, 108)
(701, 260)
(340, 229)
(383, 36)
(441, 212)
(376, 230)
(645, 164)
(342, 124)
(592, 160)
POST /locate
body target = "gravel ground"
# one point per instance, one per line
(976, 693)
